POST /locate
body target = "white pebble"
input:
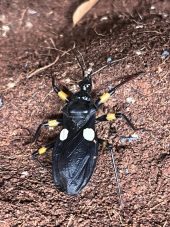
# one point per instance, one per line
(138, 52)
(2, 18)
(32, 11)
(5, 29)
(28, 25)
(11, 85)
(104, 18)
(130, 100)
(139, 26)
(24, 174)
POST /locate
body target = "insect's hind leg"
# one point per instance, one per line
(111, 149)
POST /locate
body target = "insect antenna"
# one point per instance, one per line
(81, 64)
(117, 178)
(108, 64)
(127, 79)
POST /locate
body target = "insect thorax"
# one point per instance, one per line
(78, 111)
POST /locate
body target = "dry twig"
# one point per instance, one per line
(37, 71)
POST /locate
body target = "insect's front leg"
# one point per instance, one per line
(60, 93)
(47, 124)
(104, 98)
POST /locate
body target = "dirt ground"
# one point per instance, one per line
(32, 35)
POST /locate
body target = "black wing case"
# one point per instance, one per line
(74, 161)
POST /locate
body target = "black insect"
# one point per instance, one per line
(75, 149)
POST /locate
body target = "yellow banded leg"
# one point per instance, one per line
(111, 117)
(50, 124)
(114, 116)
(38, 152)
(63, 95)
(103, 98)
(60, 93)
(107, 117)
(42, 151)
(128, 121)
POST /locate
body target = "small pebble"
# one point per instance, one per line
(138, 52)
(24, 174)
(104, 18)
(130, 100)
(67, 80)
(2, 18)
(5, 29)
(165, 15)
(28, 25)
(152, 7)
(135, 136)
(11, 84)
(1, 102)
(109, 60)
(32, 11)
(126, 171)
(125, 139)
(139, 26)
(165, 54)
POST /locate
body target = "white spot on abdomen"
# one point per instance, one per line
(88, 134)
(64, 134)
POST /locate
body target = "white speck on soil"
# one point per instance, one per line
(24, 174)
(28, 25)
(32, 11)
(11, 85)
(104, 18)
(130, 100)
(4, 30)
(2, 18)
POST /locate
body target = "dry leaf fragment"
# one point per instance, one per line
(82, 10)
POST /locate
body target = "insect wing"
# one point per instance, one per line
(74, 162)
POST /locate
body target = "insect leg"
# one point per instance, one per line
(114, 116)
(42, 151)
(107, 117)
(111, 149)
(49, 124)
(128, 121)
(59, 92)
(104, 98)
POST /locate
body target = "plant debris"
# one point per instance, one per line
(82, 10)
(129, 139)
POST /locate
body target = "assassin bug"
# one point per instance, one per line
(75, 149)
